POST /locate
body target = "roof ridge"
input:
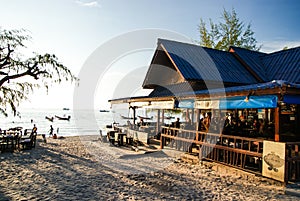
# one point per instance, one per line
(281, 51)
(160, 40)
(254, 51)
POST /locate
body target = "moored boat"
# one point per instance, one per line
(49, 118)
(147, 118)
(123, 117)
(103, 110)
(63, 118)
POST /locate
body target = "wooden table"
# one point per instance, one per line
(9, 140)
(121, 138)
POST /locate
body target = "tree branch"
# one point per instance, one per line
(7, 58)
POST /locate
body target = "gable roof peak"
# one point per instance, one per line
(164, 41)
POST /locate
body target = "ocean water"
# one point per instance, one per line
(82, 122)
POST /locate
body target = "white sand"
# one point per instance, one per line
(82, 168)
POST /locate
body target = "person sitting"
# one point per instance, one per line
(227, 126)
(177, 123)
(255, 126)
(141, 123)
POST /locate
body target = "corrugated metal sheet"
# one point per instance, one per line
(267, 85)
(283, 65)
(198, 63)
(254, 60)
(185, 90)
(171, 90)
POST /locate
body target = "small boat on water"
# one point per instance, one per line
(63, 118)
(103, 110)
(123, 117)
(49, 118)
(65, 108)
(146, 118)
(169, 117)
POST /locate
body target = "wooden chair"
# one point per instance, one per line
(111, 137)
(28, 141)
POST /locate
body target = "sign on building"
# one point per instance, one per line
(273, 160)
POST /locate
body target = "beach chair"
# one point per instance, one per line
(28, 140)
(111, 137)
(3, 143)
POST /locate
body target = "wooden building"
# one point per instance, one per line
(241, 106)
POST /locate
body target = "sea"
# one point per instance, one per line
(82, 122)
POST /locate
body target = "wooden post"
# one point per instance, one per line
(162, 142)
(193, 115)
(276, 118)
(134, 113)
(267, 115)
(197, 124)
(158, 122)
(197, 119)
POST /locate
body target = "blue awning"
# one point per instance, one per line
(255, 102)
(291, 99)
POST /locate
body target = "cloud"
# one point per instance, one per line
(272, 46)
(94, 4)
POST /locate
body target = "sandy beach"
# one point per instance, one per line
(83, 168)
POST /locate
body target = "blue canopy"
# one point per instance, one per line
(291, 99)
(244, 102)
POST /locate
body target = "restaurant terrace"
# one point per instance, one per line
(240, 107)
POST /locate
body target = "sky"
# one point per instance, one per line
(74, 29)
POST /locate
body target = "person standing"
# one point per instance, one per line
(177, 123)
(34, 129)
(51, 131)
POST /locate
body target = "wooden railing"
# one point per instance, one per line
(292, 161)
(242, 152)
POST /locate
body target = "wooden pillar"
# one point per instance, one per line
(267, 115)
(197, 124)
(158, 122)
(197, 119)
(134, 113)
(187, 116)
(162, 142)
(193, 115)
(276, 122)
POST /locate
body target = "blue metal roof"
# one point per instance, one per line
(185, 90)
(254, 60)
(268, 85)
(283, 65)
(199, 63)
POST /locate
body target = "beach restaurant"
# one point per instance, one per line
(240, 107)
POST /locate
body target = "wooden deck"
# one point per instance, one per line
(292, 161)
(240, 152)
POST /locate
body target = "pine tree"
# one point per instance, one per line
(229, 32)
